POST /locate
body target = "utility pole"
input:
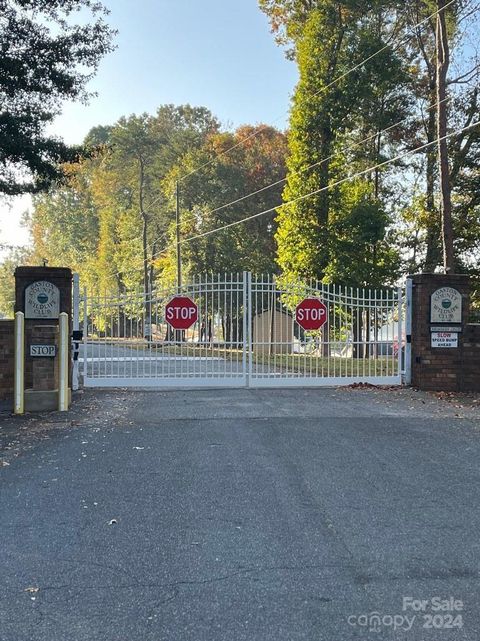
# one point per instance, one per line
(177, 220)
(443, 61)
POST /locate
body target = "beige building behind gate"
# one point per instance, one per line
(273, 334)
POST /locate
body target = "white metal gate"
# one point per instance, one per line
(246, 335)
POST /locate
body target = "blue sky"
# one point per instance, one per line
(216, 53)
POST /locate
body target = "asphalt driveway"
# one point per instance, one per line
(325, 515)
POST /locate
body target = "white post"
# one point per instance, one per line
(408, 332)
(245, 327)
(63, 353)
(400, 331)
(19, 378)
(85, 334)
(248, 328)
(76, 327)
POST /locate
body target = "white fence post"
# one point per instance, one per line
(85, 334)
(76, 327)
(408, 332)
(245, 303)
(19, 378)
(248, 328)
(400, 331)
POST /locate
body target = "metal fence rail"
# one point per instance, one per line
(246, 334)
(359, 341)
(128, 341)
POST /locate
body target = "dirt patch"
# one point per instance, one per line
(455, 404)
(21, 433)
(459, 399)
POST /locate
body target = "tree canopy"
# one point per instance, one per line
(321, 200)
(113, 220)
(327, 116)
(47, 58)
(368, 90)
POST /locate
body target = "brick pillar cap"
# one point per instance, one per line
(458, 277)
(40, 270)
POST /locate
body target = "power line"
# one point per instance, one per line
(258, 131)
(315, 192)
(322, 89)
(316, 164)
(322, 189)
(303, 169)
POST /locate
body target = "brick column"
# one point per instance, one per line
(436, 368)
(41, 373)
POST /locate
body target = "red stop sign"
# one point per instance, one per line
(311, 314)
(181, 312)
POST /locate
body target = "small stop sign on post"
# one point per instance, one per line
(181, 312)
(311, 314)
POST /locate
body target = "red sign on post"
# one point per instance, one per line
(181, 312)
(311, 314)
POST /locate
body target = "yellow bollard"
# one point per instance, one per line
(19, 376)
(63, 355)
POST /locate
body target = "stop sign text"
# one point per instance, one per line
(311, 314)
(181, 312)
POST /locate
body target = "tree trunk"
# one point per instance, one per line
(145, 252)
(357, 332)
(147, 331)
(443, 61)
(323, 203)
(143, 216)
(433, 254)
(152, 272)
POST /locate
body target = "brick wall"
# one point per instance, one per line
(7, 348)
(41, 373)
(448, 369)
(470, 369)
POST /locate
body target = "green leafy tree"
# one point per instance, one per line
(464, 152)
(460, 26)
(331, 107)
(14, 258)
(361, 252)
(107, 219)
(224, 178)
(46, 59)
(64, 224)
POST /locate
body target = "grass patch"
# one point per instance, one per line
(311, 365)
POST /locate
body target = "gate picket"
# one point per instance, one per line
(245, 334)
